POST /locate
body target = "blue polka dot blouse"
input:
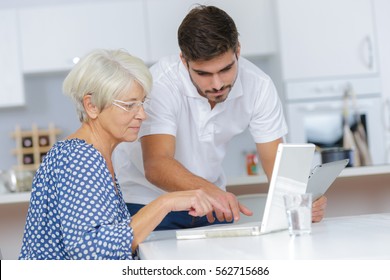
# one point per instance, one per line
(75, 212)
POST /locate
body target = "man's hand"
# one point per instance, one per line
(318, 209)
(230, 202)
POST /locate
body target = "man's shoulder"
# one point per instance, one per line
(169, 73)
(249, 68)
(167, 64)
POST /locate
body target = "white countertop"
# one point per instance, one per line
(353, 237)
(232, 181)
(19, 197)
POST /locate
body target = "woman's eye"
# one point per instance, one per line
(130, 106)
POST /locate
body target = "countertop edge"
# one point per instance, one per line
(9, 198)
(347, 172)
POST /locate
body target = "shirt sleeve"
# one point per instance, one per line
(267, 123)
(163, 111)
(95, 224)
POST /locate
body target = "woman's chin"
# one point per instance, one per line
(131, 138)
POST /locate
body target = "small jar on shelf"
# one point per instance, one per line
(33, 145)
(252, 166)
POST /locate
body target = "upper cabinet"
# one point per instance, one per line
(164, 18)
(54, 36)
(11, 79)
(254, 20)
(326, 38)
(255, 23)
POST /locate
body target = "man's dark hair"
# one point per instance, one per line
(207, 32)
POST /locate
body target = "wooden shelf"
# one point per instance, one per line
(32, 145)
(30, 150)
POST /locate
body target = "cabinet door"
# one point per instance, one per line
(255, 23)
(53, 36)
(11, 79)
(164, 18)
(254, 20)
(326, 38)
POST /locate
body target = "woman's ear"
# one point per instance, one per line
(90, 109)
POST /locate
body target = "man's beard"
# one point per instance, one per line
(208, 93)
(217, 99)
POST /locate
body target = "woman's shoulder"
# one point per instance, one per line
(71, 149)
(74, 145)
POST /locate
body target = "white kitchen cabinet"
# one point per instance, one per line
(52, 36)
(164, 18)
(254, 20)
(382, 20)
(326, 38)
(11, 78)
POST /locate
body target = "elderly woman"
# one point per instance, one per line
(77, 210)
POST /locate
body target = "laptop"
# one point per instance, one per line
(290, 175)
(323, 175)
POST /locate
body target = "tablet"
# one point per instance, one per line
(323, 175)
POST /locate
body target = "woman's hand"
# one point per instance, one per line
(196, 202)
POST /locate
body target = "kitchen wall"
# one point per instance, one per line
(6, 4)
(45, 104)
(44, 100)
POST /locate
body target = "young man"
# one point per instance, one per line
(200, 100)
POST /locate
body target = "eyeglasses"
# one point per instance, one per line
(132, 107)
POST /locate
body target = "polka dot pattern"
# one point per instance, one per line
(74, 211)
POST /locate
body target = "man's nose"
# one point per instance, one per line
(217, 82)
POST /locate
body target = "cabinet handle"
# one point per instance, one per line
(370, 54)
(386, 114)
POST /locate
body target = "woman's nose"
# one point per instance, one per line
(141, 114)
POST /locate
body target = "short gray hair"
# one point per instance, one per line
(105, 74)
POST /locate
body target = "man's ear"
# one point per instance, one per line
(183, 60)
(238, 51)
(90, 109)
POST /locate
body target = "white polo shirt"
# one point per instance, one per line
(202, 134)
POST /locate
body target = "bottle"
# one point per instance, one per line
(251, 164)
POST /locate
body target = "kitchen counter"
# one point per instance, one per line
(357, 191)
(351, 237)
(235, 184)
(347, 172)
(10, 198)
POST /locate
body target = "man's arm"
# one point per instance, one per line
(165, 172)
(267, 154)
